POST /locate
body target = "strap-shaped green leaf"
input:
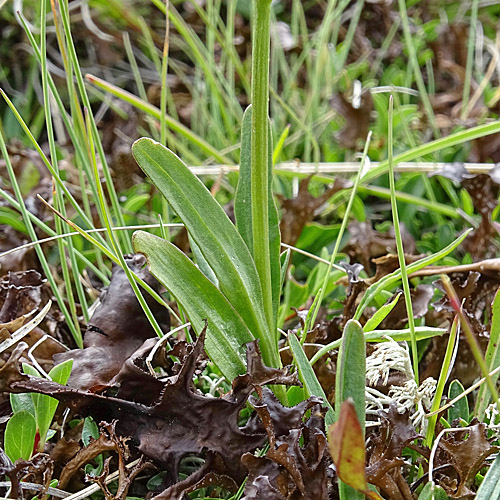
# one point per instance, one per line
(243, 205)
(350, 383)
(490, 487)
(242, 197)
(216, 236)
(199, 297)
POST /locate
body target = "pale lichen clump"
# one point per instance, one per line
(394, 356)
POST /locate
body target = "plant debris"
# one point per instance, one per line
(116, 330)
(181, 422)
(465, 452)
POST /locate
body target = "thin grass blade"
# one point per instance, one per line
(381, 314)
(308, 377)
(492, 358)
(443, 377)
(394, 277)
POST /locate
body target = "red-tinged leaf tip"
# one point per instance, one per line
(347, 447)
(36, 443)
(89, 77)
(373, 495)
(450, 291)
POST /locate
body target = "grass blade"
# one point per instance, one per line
(308, 377)
(470, 336)
(94, 131)
(399, 243)
(115, 242)
(394, 277)
(381, 314)
(155, 112)
(443, 377)
(39, 251)
(492, 358)
(343, 227)
(412, 53)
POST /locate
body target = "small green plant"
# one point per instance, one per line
(245, 260)
(90, 432)
(20, 435)
(28, 429)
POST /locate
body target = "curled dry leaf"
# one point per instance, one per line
(298, 211)
(37, 470)
(296, 464)
(116, 330)
(180, 421)
(125, 475)
(385, 453)
(466, 453)
(107, 441)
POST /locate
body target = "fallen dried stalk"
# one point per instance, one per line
(482, 266)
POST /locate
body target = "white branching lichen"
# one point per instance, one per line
(389, 356)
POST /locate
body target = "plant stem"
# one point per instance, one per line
(443, 378)
(259, 152)
(399, 243)
(471, 338)
(312, 320)
(412, 55)
(471, 45)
